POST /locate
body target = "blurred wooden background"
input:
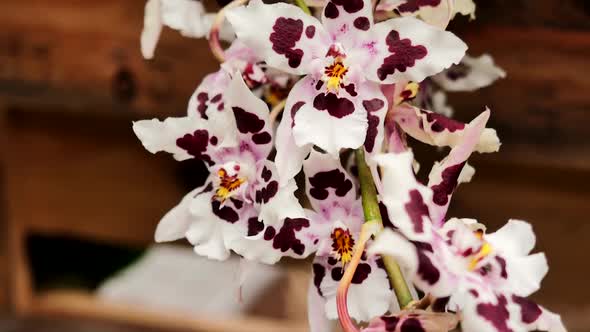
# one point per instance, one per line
(72, 79)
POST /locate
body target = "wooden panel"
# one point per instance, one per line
(83, 305)
(85, 176)
(571, 14)
(540, 110)
(68, 58)
(85, 57)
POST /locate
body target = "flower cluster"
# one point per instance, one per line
(354, 81)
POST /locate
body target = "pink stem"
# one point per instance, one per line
(342, 293)
(214, 42)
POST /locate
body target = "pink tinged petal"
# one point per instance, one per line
(395, 245)
(185, 16)
(185, 138)
(406, 49)
(438, 130)
(419, 263)
(345, 20)
(275, 202)
(251, 117)
(488, 316)
(524, 274)
(290, 156)
(439, 15)
(435, 12)
(376, 105)
(239, 57)
(254, 240)
(318, 322)
(332, 122)
(414, 321)
(396, 142)
(208, 98)
(405, 198)
(369, 294)
(328, 186)
(207, 232)
(470, 74)
(515, 238)
(177, 221)
(444, 176)
(152, 27)
(282, 35)
(536, 318)
(484, 311)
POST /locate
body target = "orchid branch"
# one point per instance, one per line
(342, 293)
(373, 224)
(372, 213)
(301, 4)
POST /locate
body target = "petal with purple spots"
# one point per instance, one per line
(281, 36)
(406, 49)
(419, 124)
(368, 295)
(347, 20)
(251, 117)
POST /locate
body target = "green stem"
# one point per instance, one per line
(303, 6)
(372, 213)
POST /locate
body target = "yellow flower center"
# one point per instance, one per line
(334, 74)
(342, 244)
(227, 185)
(409, 92)
(485, 250)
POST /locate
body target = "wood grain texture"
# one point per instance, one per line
(85, 57)
(540, 110)
(82, 57)
(85, 176)
(565, 14)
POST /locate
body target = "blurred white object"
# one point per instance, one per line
(171, 278)
(187, 16)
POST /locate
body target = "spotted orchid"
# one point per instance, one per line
(435, 12)
(485, 277)
(358, 75)
(345, 57)
(471, 74)
(337, 208)
(241, 206)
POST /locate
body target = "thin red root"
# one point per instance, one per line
(342, 293)
(214, 42)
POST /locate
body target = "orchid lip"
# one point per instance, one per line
(342, 244)
(228, 184)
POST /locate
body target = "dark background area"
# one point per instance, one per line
(72, 79)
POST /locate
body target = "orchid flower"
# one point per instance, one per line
(339, 103)
(338, 215)
(437, 130)
(486, 277)
(471, 74)
(434, 12)
(241, 206)
(187, 16)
